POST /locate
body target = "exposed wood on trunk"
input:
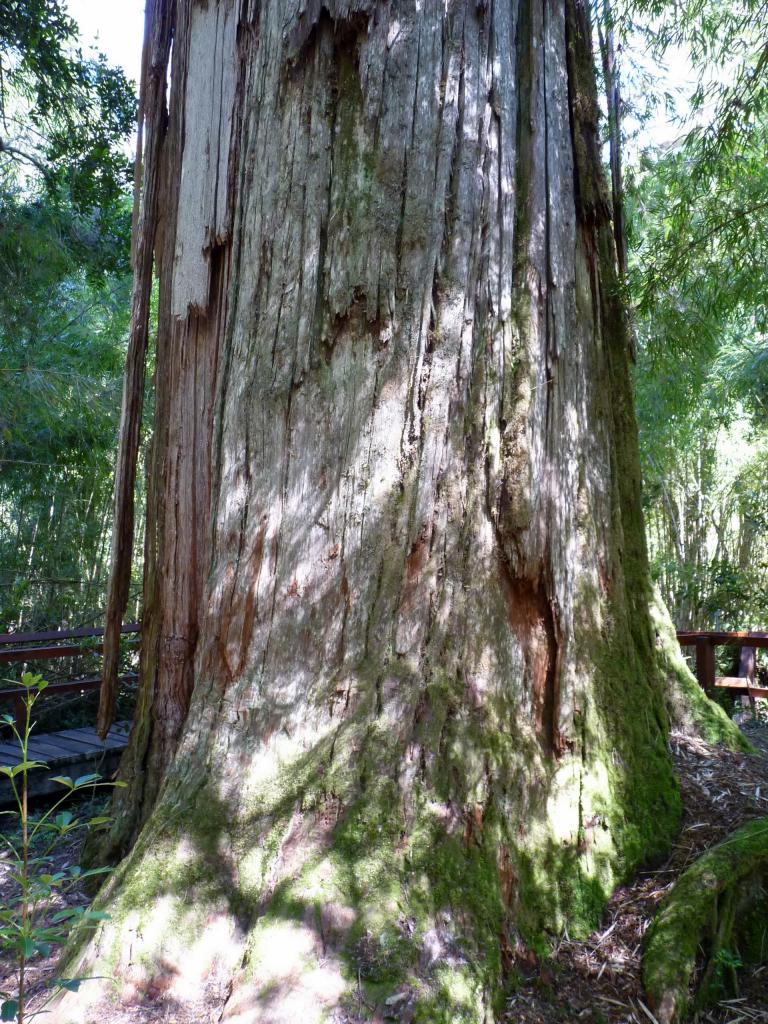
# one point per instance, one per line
(193, 257)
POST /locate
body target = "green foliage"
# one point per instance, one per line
(65, 214)
(697, 215)
(30, 925)
(63, 328)
(63, 114)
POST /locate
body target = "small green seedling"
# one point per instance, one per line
(30, 925)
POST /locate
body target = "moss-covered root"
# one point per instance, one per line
(720, 907)
(689, 708)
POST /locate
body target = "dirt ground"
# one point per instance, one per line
(596, 981)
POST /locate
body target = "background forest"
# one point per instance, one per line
(686, 106)
(66, 120)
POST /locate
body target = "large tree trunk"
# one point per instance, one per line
(400, 715)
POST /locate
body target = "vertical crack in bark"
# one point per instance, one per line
(592, 205)
(532, 615)
(528, 588)
(547, 600)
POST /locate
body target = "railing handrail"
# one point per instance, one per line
(705, 642)
(718, 638)
(8, 639)
(72, 686)
(13, 648)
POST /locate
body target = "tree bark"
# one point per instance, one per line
(400, 715)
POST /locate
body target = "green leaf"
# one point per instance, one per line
(8, 719)
(86, 780)
(30, 681)
(96, 871)
(97, 915)
(70, 984)
(67, 915)
(9, 1009)
(65, 780)
(27, 766)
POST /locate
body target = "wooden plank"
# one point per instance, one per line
(40, 750)
(740, 684)
(89, 736)
(9, 753)
(53, 742)
(17, 654)
(12, 654)
(61, 634)
(688, 638)
(80, 751)
(81, 745)
(732, 682)
(67, 743)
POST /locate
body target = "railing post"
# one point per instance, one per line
(748, 663)
(705, 663)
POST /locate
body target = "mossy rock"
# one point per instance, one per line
(718, 907)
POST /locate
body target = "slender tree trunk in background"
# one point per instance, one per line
(400, 715)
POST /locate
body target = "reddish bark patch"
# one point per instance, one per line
(250, 611)
(238, 612)
(507, 876)
(414, 566)
(473, 829)
(532, 616)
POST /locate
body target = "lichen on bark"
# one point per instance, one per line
(400, 711)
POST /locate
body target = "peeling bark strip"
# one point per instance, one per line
(158, 28)
(192, 253)
(203, 222)
(398, 664)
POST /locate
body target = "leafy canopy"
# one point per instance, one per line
(62, 113)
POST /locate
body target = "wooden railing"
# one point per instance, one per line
(705, 643)
(25, 648)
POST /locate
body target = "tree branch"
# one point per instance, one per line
(20, 154)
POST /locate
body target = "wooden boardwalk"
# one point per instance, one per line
(73, 752)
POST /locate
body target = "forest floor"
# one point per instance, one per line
(595, 981)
